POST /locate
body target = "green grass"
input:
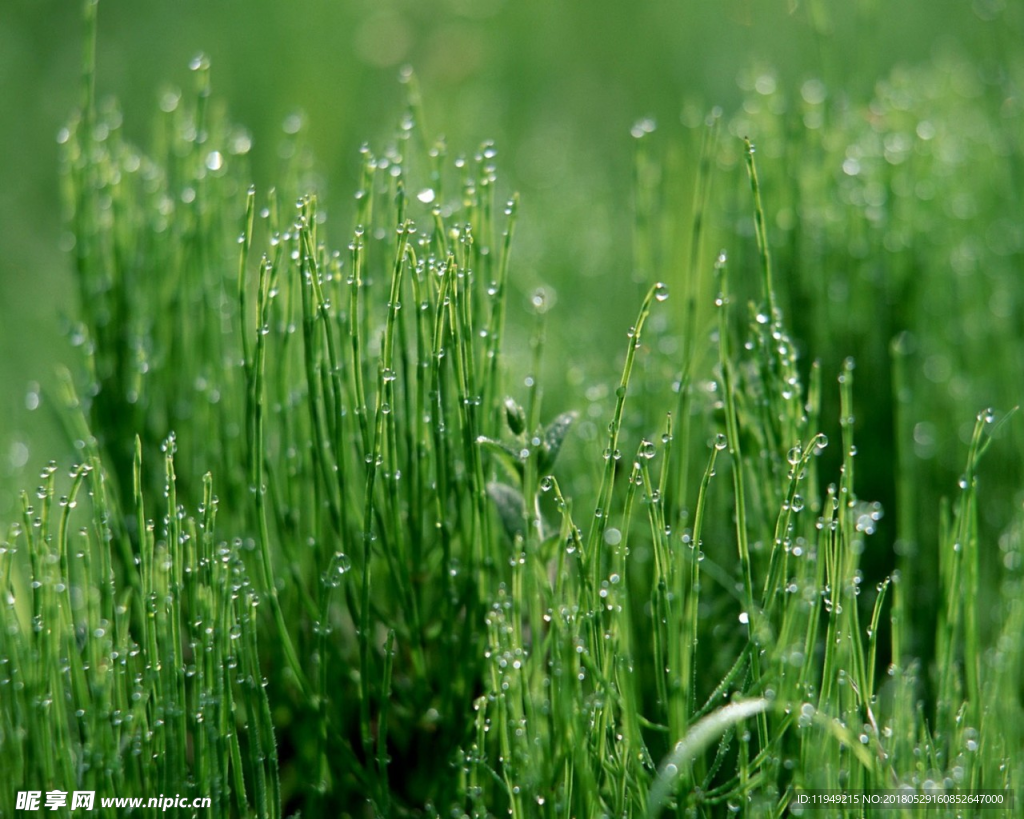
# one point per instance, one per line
(332, 546)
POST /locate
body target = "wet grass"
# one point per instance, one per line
(332, 546)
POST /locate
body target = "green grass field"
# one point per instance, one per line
(451, 481)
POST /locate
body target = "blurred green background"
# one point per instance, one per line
(556, 85)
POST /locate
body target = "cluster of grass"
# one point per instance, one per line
(323, 551)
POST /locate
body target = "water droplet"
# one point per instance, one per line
(642, 127)
(661, 291)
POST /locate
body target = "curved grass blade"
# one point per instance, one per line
(696, 741)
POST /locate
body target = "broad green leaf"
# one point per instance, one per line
(511, 507)
(506, 455)
(554, 436)
(515, 416)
